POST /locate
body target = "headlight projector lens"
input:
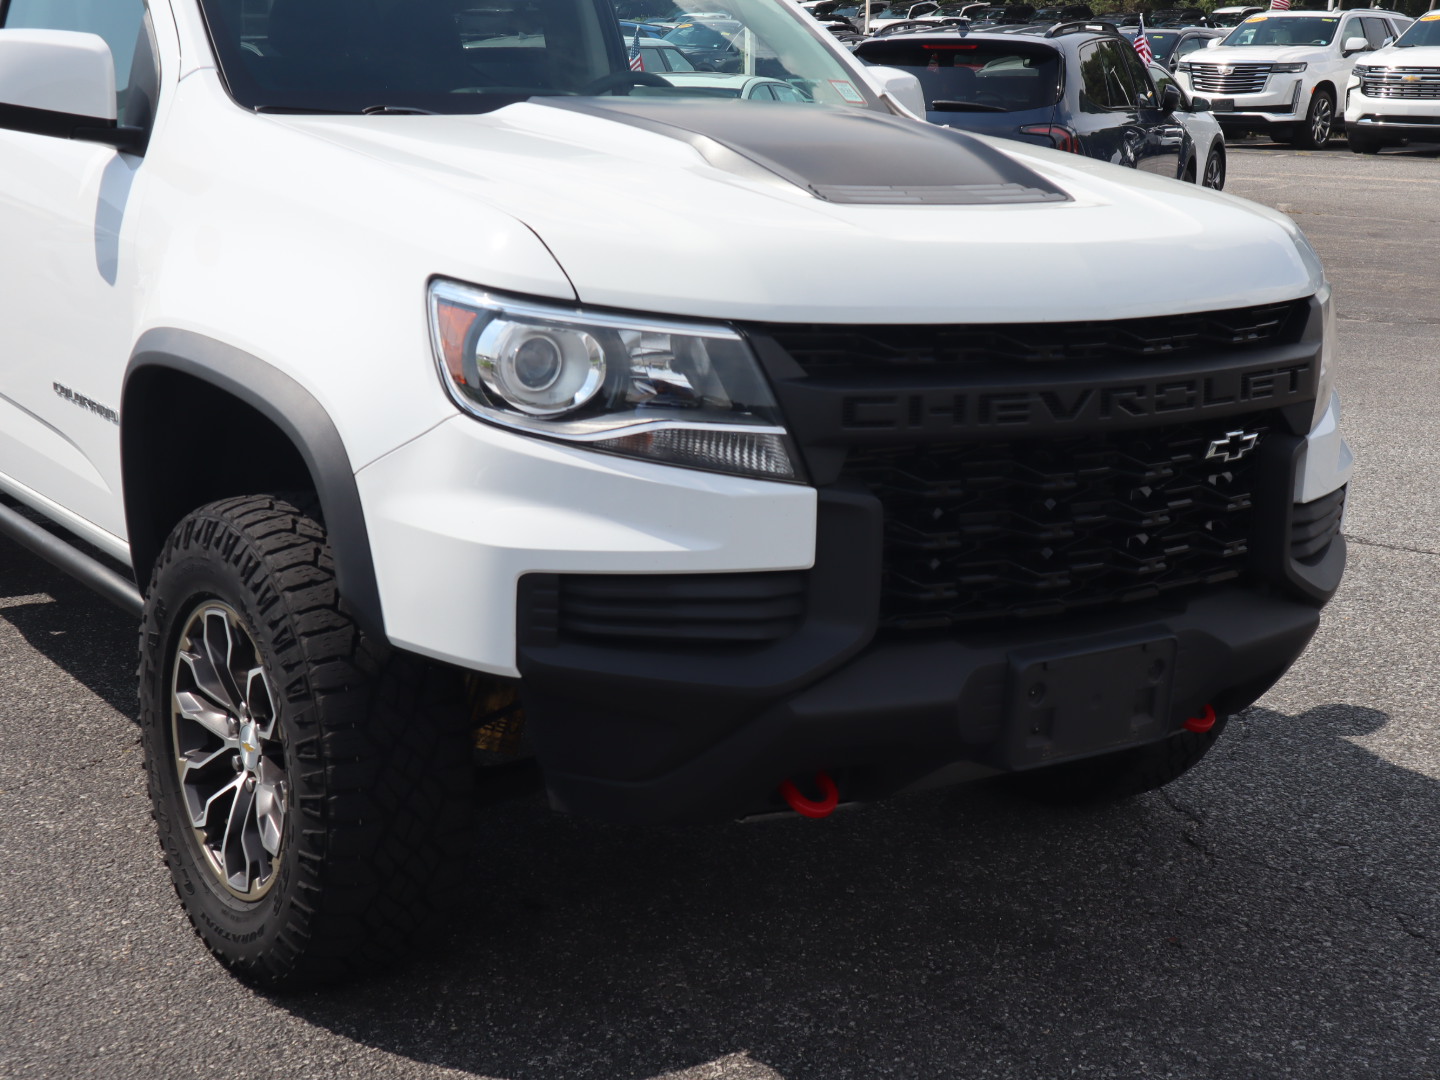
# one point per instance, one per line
(540, 370)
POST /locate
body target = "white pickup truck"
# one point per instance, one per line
(1282, 73)
(438, 389)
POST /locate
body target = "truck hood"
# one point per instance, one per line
(1410, 56)
(1259, 54)
(643, 216)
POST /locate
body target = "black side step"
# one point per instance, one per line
(116, 588)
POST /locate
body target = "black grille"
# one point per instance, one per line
(1314, 525)
(818, 348)
(692, 607)
(977, 532)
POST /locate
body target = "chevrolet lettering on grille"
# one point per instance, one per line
(1100, 405)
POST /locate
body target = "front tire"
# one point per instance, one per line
(1119, 775)
(311, 787)
(1319, 122)
(1215, 167)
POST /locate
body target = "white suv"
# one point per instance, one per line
(1282, 72)
(1394, 95)
(430, 383)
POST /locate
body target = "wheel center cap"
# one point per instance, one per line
(250, 746)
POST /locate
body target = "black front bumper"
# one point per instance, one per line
(886, 720)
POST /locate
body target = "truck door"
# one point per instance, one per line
(68, 219)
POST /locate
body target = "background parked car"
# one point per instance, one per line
(1075, 87)
(1171, 45)
(1281, 73)
(1393, 95)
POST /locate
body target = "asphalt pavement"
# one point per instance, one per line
(1272, 914)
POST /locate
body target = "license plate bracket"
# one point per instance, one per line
(1079, 702)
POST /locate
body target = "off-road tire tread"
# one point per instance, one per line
(380, 773)
(1121, 775)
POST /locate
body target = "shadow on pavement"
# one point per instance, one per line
(1271, 914)
(93, 641)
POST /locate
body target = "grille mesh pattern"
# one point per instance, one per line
(1403, 83)
(1234, 79)
(986, 532)
(819, 348)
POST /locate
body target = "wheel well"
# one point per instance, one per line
(184, 443)
(1326, 86)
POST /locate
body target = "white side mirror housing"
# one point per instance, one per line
(1214, 43)
(58, 71)
(1354, 45)
(901, 87)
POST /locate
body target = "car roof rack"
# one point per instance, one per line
(1081, 27)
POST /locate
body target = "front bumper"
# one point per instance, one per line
(1393, 118)
(1282, 102)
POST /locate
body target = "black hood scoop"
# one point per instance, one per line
(838, 155)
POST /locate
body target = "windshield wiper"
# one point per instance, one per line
(965, 106)
(303, 109)
(396, 110)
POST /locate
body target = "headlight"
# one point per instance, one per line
(1325, 385)
(671, 391)
(1287, 69)
(1361, 70)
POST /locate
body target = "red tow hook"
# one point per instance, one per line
(824, 807)
(1201, 724)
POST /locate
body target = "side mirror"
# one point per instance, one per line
(1354, 45)
(1214, 43)
(62, 83)
(1170, 98)
(902, 88)
(58, 71)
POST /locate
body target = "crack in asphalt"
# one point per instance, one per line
(1191, 834)
(1389, 547)
(1418, 935)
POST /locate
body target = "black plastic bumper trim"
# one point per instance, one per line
(898, 712)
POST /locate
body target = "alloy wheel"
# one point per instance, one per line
(228, 753)
(1322, 117)
(1214, 170)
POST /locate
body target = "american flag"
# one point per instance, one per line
(1142, 46)
(1279, 5)
(637, 62)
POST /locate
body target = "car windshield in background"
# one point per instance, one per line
(470, 56)
(1162, 42)
(989, 76)
(1424, 32)
(1301, 30)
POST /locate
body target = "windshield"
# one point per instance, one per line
(974, 76)
(469, 56)
(1424, 32)
(1301, 30)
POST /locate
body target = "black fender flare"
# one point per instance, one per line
(301, 418)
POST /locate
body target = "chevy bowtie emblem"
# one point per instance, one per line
(1234, 446)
